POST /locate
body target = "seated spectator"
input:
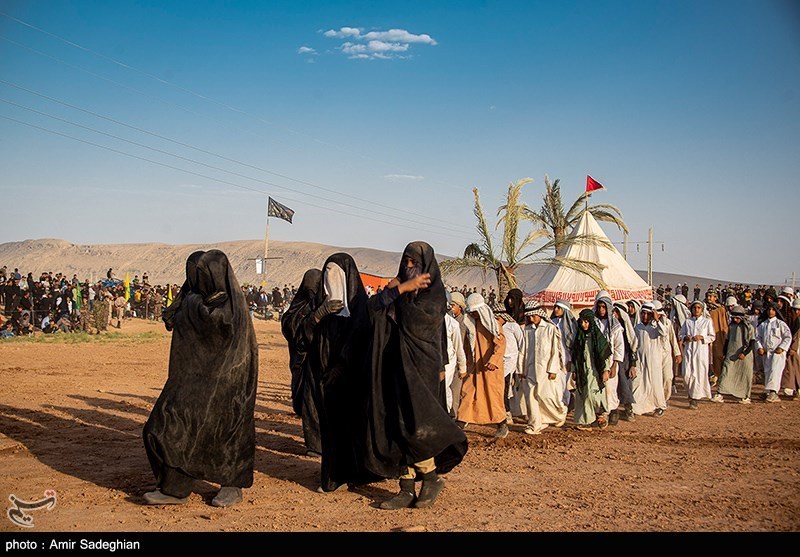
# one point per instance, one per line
(64, 324)
(7, 331)
(48, 325)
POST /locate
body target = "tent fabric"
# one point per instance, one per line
(563, 283)
(374, 281)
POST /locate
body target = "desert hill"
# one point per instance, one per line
(165, 262)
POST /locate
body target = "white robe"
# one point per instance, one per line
(557, 321)
(671, 349)
(512, 360)
(617, 343)
(771, 335)
(541, 398)
(456, 358)
(696, 356)
(648, 385)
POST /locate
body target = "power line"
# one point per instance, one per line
(235, 161)
(262, 192)
(190, 91)
(187, 159)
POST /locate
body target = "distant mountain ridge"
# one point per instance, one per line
(166, 262)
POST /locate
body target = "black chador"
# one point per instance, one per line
(298, 330)
(337, 362)
(410, 435)
(202, 426)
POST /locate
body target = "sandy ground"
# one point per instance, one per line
(71, 417)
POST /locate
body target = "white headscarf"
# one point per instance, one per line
(475, 302)
(336, 286)
(680, 311)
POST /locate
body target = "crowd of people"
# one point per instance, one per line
(618, 359)
(56, 303)
(386, 382)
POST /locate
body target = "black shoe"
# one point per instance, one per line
(227, 496)
(158, 498)
(613, 417)
(431, 488)
(692, 404)
(628, 415)
(404, 499)
(658, 413)
(502, 431)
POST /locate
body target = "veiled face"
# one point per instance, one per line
(697, 310)
(558, 311)
(631, 310)
(617, 314)
(771, 312)
(647, 317)
(585, 324)
(456, 309)
(602, 310)
(536, 319)
(737, 319)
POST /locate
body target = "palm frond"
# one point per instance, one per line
(607, 216)
(483, 228)
(458, 265)
(577, 208)
(511, 213)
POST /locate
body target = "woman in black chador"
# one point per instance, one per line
(298, 330)
(410, 434)
(202, 426)
(336, 360)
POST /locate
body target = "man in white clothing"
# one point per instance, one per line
(670, 347)
(456, 359)
(542, 384)
(648, 385)
(773, 338)
(567, 324)
(610, 327)
(512, 357)
(697, 333)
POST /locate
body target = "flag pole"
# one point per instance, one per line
(266, 247)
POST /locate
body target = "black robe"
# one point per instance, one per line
(298, 331)
(337, 363)
(406, 421)
(202, 425)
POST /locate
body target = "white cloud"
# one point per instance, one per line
(343, 33)
(400, 177)
(382, 45)
(306, 50)
(399, 36)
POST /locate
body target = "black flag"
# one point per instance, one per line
(275, 209)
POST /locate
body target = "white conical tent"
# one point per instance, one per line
(563, 283)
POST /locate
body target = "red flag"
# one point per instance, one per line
(592, 184)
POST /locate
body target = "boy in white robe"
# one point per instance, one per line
(648, 385)
(671, 350)
(697, 333)
(456, 357)
(773, 338)
(512, 357)
(542, 385)
(567, 324)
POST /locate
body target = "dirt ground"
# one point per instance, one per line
(71, 417)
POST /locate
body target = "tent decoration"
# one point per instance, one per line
(562, 283)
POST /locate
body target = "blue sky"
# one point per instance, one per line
(687, 111)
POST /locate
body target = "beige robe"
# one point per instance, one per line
(483, 391)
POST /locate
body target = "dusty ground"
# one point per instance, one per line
(71, 417)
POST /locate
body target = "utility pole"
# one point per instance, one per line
(650, 256)
(625, 246)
